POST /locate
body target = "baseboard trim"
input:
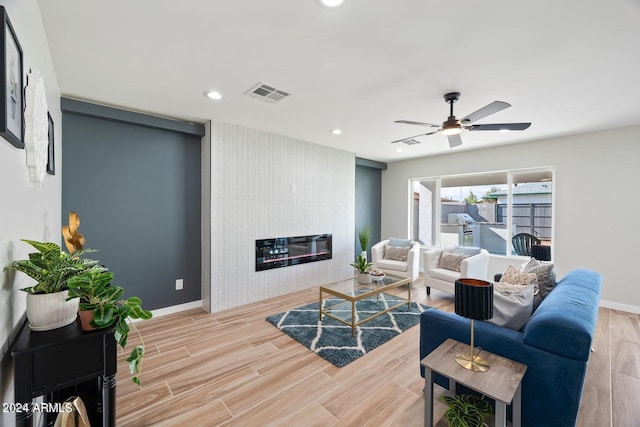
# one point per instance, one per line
(621, 307)
(175, 309)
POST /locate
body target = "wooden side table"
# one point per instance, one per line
(502, 382)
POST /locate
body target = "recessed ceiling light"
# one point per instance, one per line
(503, 130)
(336, 131)
(399, 150)
(213, 94)
(331, 3)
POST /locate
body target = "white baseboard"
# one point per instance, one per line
(174, 309)
(621, 307)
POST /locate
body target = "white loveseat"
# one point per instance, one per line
(409, 268)
(473, 266)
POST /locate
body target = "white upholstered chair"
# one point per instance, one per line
(474, 266)
(409, 268)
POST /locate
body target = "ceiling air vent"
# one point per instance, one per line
(411, 142)
(267, 93)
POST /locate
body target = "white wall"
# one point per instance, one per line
(26, 211)
(264, 186)
(597, 167)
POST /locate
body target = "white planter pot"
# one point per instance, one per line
(363, 278)
(51, 311)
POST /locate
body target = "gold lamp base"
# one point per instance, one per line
(473, 363)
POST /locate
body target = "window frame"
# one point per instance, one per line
(513, 176)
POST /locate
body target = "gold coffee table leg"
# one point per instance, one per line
(353, 318)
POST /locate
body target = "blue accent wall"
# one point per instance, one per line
(137, 191)
(368, 200)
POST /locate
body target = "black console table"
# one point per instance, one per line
(50, 361)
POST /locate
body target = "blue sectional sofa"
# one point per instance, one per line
(554, 343)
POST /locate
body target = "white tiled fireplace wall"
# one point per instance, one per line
(263, 186)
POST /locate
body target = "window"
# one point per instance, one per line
(483, 210)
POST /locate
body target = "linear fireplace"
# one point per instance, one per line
(285, 251)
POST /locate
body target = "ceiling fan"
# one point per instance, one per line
(452, 127)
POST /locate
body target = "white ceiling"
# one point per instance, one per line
(568, 67)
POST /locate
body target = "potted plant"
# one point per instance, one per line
(466, 410)
(363, 236)
(101, 307)
(362, 266)
(47, 304)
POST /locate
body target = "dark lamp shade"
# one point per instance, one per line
(474, 299)
(541, 252)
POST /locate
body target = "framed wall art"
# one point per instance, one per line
(51, 165)
(11, 84)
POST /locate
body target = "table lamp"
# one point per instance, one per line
(541, 252)
(473, 300)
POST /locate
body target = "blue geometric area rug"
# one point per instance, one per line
(332, 340)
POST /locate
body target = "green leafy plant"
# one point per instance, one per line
(466, 410)
(96, 293)
(51, 267)
(361, 264)
(363, 236)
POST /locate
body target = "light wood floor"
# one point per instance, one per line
(233, 368)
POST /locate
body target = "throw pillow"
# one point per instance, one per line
(512, 305)
(401, 243)
(396, 253)
(545, 273)
(451, 261)
(515, 276)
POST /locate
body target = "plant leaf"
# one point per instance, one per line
(135, 362)
(103, 315)
(133, 301)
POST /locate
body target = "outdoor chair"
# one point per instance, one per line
(522, 243)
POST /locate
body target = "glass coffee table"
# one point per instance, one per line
(348, 292)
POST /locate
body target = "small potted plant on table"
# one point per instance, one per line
(47, 304)
(362, 266)
(101, 307)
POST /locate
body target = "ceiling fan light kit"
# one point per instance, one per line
(452, 127)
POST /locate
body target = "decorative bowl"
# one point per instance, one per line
(377, 276)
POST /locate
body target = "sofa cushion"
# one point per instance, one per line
(451, 261)
(512, 305)
(444, 274)
(389, 264)
(401, 243)
(396, 253)
(545, 273)
(514, 276)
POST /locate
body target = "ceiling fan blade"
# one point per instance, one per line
(409, 122)
(414, 136)
(485, 111)
(454, 140)
(500, 126)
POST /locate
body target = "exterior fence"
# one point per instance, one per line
(532, 218)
